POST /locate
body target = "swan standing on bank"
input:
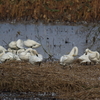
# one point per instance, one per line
(35, 57)
(31, 43)
(68, 59)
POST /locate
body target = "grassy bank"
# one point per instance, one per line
(80, 81)
(50, 10)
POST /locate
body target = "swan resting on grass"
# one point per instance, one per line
(35, 57)
(93, 56)
(84, 59)
(68, 59)
(5, 56)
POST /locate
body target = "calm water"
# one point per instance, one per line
(57, 40)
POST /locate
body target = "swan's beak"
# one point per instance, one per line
(37, 55)
(36, 45)
(74, 55)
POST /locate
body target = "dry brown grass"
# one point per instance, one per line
(50, 10)
(80, 81)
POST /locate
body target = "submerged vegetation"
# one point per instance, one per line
(50, 10)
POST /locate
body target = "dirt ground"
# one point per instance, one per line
(79, 82)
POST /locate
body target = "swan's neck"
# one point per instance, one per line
(34, 52)
(74, 52)
(97, 55)
(88, 51)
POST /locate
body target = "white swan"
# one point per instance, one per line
(12, 51)
(6, 56)
(16, 44)
(31, 43)
(20, 43)
(84, 59)
(13, 45)
(35, 57)
(94, 56)
(24, 54)
(68, 59)
(2, 48)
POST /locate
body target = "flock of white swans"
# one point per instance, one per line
(25, 50)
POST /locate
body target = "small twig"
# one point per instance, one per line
(50, 56)
(5, 42)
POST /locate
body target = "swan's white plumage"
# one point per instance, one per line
(31, 43)
(2, 48)
(20, 43)
(35, 57)
(68, 59)
(84, 58)
(12, 50)
(24, 55)
(6, 56)
(13, 45)
(16, 44)
(94, 56)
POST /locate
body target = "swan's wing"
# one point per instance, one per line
(13, 45)
(36, 45)
(20, 43)
(40, 57)
(28, 43)
(16, 57)
(63, 58)
(35, 59)
(2, 48)
(82, 57)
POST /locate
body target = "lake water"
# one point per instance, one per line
(57, 40)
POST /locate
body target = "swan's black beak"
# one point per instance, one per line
(37, 55)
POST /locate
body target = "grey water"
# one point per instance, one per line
(57, 40)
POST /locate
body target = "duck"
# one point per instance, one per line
(68, 59)
(31, 43)
(35, 57)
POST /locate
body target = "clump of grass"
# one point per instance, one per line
(80, 82)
